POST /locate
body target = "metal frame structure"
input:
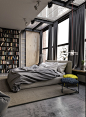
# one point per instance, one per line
(42, 21)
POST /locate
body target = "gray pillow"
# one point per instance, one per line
(49, 65)
(61, 67)
(4, 101)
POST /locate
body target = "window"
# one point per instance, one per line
(62, 44)
(45, 52)
(45, 45)
(62, 53)
(63, 32)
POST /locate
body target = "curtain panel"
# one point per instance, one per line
(77, 44)
(50, 43)
(40, 54)
(55, 41)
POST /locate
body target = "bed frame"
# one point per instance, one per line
(57, 80)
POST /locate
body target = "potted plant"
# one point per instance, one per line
(82, 65)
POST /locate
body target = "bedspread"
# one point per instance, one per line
(19, 76)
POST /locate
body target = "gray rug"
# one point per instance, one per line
(33, 94)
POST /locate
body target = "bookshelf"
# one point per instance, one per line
(9, 49)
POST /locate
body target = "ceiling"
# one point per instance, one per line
(53, 13)
(12, 12)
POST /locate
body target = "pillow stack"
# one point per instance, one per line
(60, 67)
(49, 65)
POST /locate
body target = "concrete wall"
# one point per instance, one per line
(32, 48)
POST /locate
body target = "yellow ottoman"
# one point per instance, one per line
(70, 76)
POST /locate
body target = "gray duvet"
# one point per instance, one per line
(19, 76)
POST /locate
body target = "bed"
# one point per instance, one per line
(53, 78)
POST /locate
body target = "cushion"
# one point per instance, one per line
(61, 67)
(69, 80)
(70, 76)
(4, 101)
(50, 65)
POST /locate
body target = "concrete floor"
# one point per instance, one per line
(64, 106)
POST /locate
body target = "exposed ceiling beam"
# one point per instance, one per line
(61, 3)
(29, 29)
(43, 21)
(37, 25)
(68, 2)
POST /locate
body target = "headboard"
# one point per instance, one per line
(68, 69)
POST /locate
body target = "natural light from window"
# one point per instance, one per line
(63, 32)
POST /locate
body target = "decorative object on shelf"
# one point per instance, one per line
(37, 4)
(49, 4)
(82, 65)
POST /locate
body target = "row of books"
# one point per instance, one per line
(8, 40)
(2, 48)
(8, 62)
(2, 71)
(10, 44)
(14, 40)
(2, 39)
(12, 58)
(9, 31)
(3, 53)
(1, 61)
(2, 57)
(11, 36)
(8, 53)
(8, 48)
(17, 53)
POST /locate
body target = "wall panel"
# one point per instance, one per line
(32, 48)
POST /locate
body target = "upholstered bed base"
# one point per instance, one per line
(56, 80)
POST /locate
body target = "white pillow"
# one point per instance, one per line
(61, 67)
(50, 65)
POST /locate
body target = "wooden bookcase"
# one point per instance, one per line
(9, 49)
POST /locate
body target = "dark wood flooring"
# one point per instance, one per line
(64, 106)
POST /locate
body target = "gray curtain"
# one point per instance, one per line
(55, 27)
(50, 43)
(78, 36)
(40, 54)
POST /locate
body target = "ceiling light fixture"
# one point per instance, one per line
(32, 21)
(49, 4)
(37, 4)
(26, 23)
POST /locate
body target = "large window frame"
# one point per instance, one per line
(45, 48)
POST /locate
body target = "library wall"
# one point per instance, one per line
(32, 48)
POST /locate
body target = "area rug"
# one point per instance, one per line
(32, 94)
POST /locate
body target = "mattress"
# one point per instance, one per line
(42, 83)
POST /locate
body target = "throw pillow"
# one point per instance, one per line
(70, 76)
(61, 67)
